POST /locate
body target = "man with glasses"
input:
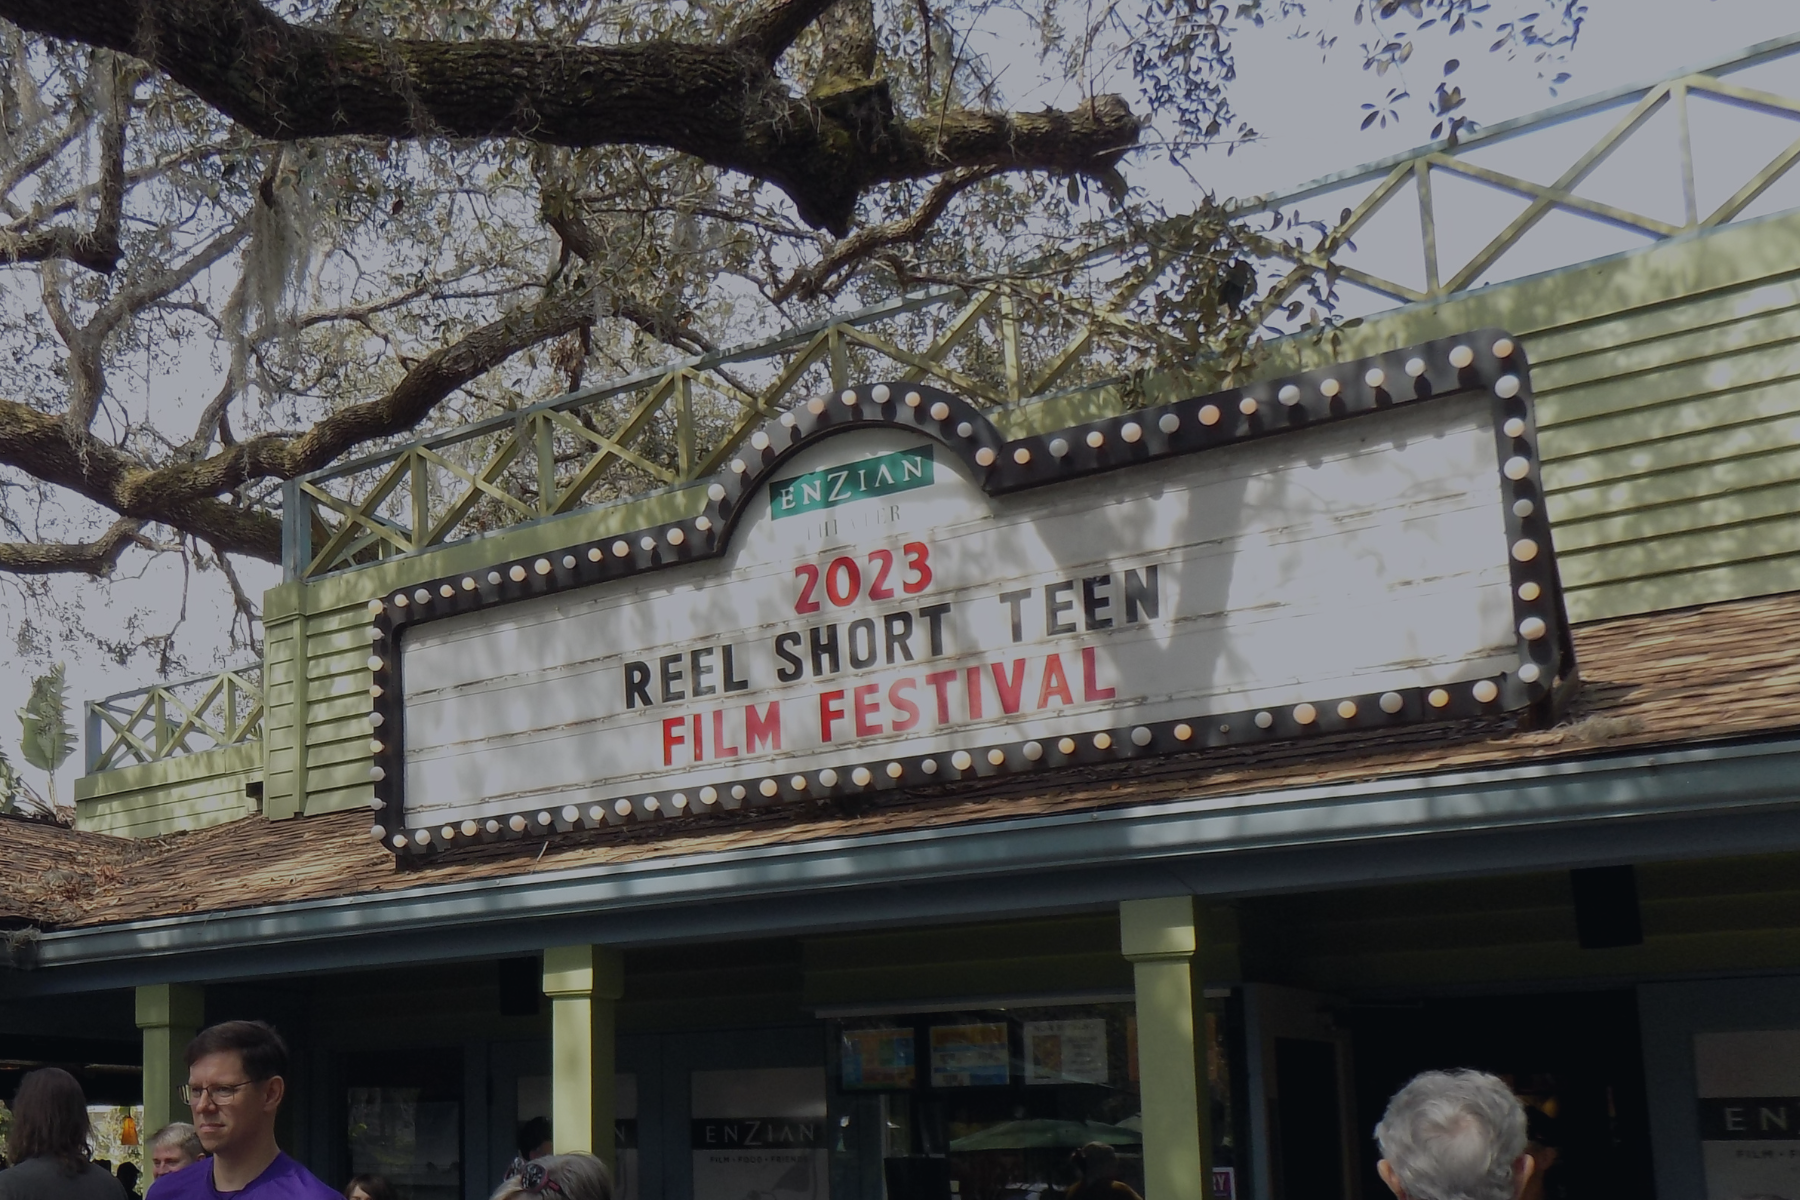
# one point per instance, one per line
(235, 1086)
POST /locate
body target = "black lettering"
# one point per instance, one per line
(699, 669)
(899, 633)
(671, 676)
(862, 658)
(1054, 608)
(732, 682)
(795, 668)
(1092, 603)
(637, 684)
(1013, 600)
(824, 646)
(934, 617)
(1146, 592)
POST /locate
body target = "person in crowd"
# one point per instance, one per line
(48, 1144)
(1097, 1175)
(533, 1141)
(236, 1083)
(568, 1176)
(127, 1175)
(1454, 1135)
(369, 1187)
(173, 1147)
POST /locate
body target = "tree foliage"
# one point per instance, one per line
(243, 240)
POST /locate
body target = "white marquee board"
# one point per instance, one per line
(877, 616)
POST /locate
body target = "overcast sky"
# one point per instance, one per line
(1308, 113)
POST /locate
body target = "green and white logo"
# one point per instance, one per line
(865, 479)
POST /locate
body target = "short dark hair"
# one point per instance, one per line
(263, 1052)
(50, 1120)
(532, 1134)
(373, 1186)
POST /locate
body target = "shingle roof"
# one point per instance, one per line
(1721, 671)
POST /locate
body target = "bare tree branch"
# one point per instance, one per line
(96, 558)
(826, 274)
(723, 104)
(96, 249)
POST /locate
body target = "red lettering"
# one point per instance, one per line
(879, 588)
(674, 734)
(765, 728)
(1090, 677)
(720, 749)
(810, 574)
(1055, 683)
(974, 674)
(939, 681)
(864, 704)
(830, 713)
(918, 557)
(846, 571)
(1009, 689)
(904, 704)
(699, 743)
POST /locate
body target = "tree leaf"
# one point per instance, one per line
(1451, 66)
(48, 738)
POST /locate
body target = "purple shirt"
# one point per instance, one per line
(284, 1179)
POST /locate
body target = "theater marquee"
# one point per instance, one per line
(883, 592)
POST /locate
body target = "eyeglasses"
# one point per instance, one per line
(535, 1177)
(221, 1093)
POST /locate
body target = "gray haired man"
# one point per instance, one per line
(1454, 1135)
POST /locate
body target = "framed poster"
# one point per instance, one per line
(970, 1055)
(1066, 1051)
(876, 1058)
(1749, 1094)
(760, 1133)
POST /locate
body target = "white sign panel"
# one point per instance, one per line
(879, 614)
(1749, 1092)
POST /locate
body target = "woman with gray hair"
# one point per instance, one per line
(1454, 1135)
(564, 1176)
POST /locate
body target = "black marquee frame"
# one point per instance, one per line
(1495, 365)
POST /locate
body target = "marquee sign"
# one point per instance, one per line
(883, 592)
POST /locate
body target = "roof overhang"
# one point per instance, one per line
(1716, 799)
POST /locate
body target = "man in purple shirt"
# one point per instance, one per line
(235, 1086)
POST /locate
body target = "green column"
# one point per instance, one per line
(1159, 938)
(584, 984)
(170, 1014)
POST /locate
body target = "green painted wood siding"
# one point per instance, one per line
(1668, 385)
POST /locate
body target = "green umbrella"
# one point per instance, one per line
(1044, 1133)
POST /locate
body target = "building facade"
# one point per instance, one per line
(1216, 942)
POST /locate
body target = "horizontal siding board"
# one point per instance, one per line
(1731, 581)
(1699, 484)
(1672, 317)
(1681, 552)
(1712, 446)
(1677, 400)
(340, 799)
(1632, 354)
(324, 753)
(353, 776)
(1656, 521)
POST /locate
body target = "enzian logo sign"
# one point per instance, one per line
(865, 479)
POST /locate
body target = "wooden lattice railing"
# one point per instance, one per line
(166, 720)
(676, 424)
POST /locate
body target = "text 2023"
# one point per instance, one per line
(842, 578)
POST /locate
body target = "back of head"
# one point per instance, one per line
(1098, 1161)
(49, 1120)
(372, 1186)
(261, 1049)
(531, 1135)
(574, 1176)
(1453, 1135)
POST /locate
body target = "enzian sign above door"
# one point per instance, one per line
(883, 592)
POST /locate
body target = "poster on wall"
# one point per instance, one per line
(1749, 1094)
(760, 1134)
(877, 1058)
(970, 1055)
(1066, 1051)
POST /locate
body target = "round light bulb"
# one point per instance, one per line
(759, 440)
(1184, 732)
(1059, 447)
(768, 787)
(1247, 406)
(913, 399)
(1392, 702)
(848, 398)
(1461, 356)
(1437, 698)
(1523, 508)
(965, 429)
(1065, 745)
(1288, 395)
(940, 411)
(1141, 736)
(1514, 427)
(961, 760)
(1506, 387)
(1530, 672)
(1330, 388)
(1516, 468)
(422, 596)
(1415, 367)
(862, 776)
(716, 492)
(984, 457)
(516, 573)
(1131, 431)
(1103, 741)
(996, 757)
(829, 777)
(622, 807)
(1209, 414)
(879, 393)
(1033, 751)
(1524, 550)
(798, 782)
(1168, 422)
(621, 549)
(1485, 691)
(493, 577)
(709, 795)
(1264, 720)
(1096, 439)
(541, 566)
(1305, 714)
(1532, 628)
(1375, 377)
(1346, 709)
(1503, 348)
(895, 770)
(1022, 455)
(1529, 590)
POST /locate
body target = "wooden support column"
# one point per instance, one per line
(584, 984)
(170, 1014)
(1159, 938)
